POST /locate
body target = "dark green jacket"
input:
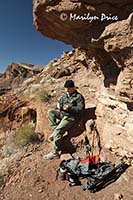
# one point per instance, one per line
(75, 102)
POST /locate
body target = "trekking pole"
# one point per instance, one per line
(87, 145)
(99, 141)
(90, 147)
(92, 126)
(96, 135)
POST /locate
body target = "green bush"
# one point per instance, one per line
(25, 135)
(42, 95)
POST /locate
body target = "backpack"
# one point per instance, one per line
(96, 173)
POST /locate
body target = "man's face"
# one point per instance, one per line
(70, 90)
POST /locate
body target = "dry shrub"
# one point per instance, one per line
(25, 135)
(42, 95)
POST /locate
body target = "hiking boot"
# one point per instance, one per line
(51, 156)
(40, 137)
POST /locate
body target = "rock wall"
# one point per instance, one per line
(15, 111)
(115, 123)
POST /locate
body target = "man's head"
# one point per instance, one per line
(70, 87)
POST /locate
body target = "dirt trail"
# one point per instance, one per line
(35, 179)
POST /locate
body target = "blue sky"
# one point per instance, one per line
(19, 40)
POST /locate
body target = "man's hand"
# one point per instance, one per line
(66, 107)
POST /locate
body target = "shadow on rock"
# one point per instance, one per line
(78, 128)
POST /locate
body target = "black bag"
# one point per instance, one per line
(105, 176)
(98, 175)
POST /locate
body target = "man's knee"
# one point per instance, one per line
(51, 112)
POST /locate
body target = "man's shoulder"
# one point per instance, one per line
(79, 94)
(64, 95)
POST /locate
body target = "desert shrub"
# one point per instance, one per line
(42, 95)
(25, 135)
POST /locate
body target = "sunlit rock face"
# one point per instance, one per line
(104, 28)
(15, 74)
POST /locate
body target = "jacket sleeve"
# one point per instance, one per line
(80, 105)
(61, 101)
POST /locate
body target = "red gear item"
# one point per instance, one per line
(91, 159)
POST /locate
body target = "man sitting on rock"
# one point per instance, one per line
(63, 118)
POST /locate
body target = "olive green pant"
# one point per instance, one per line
(60, 123)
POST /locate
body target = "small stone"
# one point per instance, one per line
(118, 196)
(108, 146)
(40, 191)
